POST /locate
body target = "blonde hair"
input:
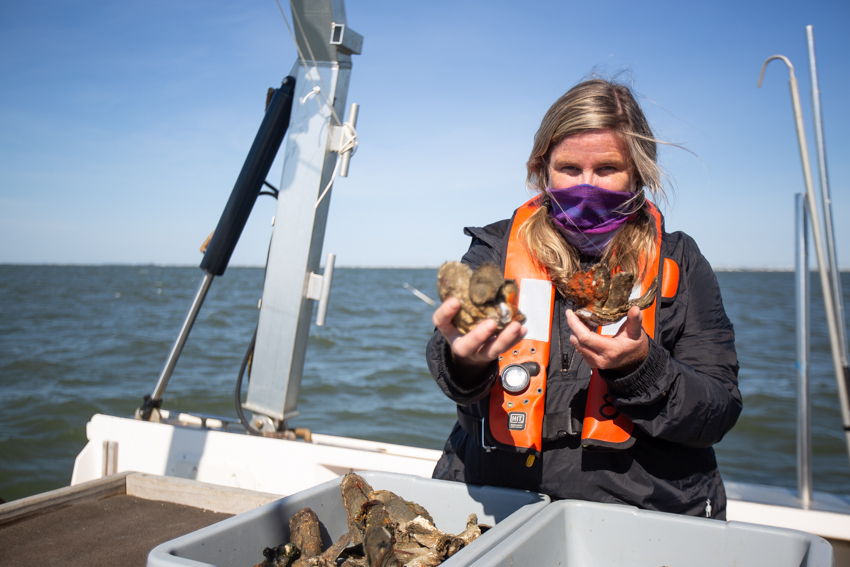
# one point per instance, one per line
(595, 104)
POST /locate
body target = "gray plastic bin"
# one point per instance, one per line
(239, 541)
(570, 533)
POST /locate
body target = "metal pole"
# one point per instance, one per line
(825, 195)
(835, 274)
(171, 361)
(804, 438)
(324, 297)
(841, 375)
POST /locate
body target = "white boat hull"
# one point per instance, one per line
(263, 464)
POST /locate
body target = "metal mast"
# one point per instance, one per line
(316, 139)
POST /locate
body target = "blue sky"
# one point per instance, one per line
(123, 126)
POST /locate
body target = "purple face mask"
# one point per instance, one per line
(589, 216)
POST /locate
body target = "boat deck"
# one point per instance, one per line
(113, 521)
(118, 530)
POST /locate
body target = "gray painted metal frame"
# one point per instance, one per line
(296, 246)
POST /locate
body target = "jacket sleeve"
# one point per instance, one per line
(464, 390)
(686, 390)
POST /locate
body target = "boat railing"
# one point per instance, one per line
(824, 244)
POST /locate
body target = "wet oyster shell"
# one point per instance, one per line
(385, 530)
(601, 298)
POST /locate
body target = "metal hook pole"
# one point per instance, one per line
(829, 303)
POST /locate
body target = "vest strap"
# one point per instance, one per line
(560, 425)
(516, 418)
(605, 428)
(555, 426)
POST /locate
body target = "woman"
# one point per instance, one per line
(670, 369)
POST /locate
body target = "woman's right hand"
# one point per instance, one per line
(477, 348)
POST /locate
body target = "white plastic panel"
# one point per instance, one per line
(535, 304)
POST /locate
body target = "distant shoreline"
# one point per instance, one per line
(237, 266)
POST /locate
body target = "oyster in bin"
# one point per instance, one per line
(602, 298)
(385, 530)
(483, 294)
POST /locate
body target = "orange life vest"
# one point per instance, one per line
(516, 419)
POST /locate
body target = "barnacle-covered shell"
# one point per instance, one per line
(601, 298)
(355, 492)
(483, 294)
(385, 530)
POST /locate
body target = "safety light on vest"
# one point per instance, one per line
(515, 378)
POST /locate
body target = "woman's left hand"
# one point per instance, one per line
(625, 351)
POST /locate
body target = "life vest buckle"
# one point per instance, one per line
(559, 425)
(486, 447)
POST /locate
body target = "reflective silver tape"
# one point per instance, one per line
(535, 303)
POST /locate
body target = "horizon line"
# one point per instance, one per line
(725, 268)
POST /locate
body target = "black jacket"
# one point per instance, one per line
(682, 400)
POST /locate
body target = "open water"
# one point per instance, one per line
(80, 340)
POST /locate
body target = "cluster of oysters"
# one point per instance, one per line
(483, 293)
(384, 530)
(601, 298)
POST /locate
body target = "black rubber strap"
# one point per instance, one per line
(560, 425)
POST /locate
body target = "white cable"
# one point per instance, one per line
(315, 90)
(350, 136)
(328, 187)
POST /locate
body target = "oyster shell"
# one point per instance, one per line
(355, 492)
(602, 299)
(483, 294)
(385, 530)
(281, 556)
(305, 534)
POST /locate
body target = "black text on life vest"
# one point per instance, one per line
(607, 409)
(516, 420)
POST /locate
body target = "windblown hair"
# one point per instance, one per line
(595, 104)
